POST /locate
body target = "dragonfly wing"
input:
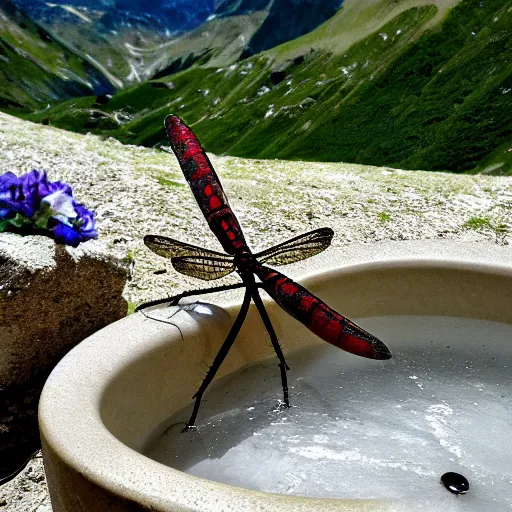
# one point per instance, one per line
(205, 185)
(170, 248)
(297, 248)
(204, 267)
(319, 317)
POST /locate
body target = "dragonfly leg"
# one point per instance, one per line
(176, 298)
(163, 321)
(221, 355)
(275, 343)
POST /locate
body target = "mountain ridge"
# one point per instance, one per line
(132, 41)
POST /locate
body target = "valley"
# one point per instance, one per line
(411, 84)
(36, 68)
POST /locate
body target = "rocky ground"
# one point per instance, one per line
(135, 191)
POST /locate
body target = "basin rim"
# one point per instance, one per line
(137, 478)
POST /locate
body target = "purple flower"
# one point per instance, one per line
(33, 205)
(12, 199)
(24, 194)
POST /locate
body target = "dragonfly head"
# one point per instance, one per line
(172, 121)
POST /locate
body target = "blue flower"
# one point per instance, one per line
(79, 229)
(30, 204)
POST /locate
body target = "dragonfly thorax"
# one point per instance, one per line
(245, 261)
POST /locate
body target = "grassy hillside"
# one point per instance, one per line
(36, 68)
(429, 89)
(355, 21)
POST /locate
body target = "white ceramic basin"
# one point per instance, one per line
(106, 399)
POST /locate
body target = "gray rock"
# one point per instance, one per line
(51, 298)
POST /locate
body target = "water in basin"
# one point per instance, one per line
(364, 429)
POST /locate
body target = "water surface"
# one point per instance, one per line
(359, 428)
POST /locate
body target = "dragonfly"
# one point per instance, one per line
(209, 265)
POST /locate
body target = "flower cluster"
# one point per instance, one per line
(30, 204)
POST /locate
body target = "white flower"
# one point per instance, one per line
(60, 205)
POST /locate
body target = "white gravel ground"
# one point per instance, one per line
(135, 191)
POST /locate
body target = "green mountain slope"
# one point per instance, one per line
(36, 69)
(355, 21)
(428, 89)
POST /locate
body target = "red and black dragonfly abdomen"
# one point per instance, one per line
(318, 316)
(205, 185)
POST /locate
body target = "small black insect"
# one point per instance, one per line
(455, 483)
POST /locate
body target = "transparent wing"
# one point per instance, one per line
(170, 248)
(298, 248)
(203, 267)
